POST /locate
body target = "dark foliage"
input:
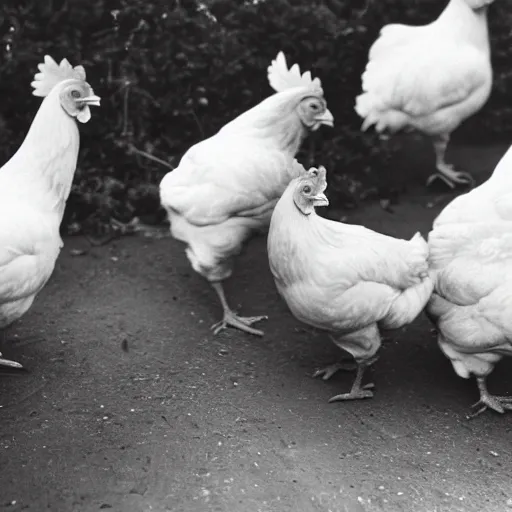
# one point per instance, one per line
(170, 73)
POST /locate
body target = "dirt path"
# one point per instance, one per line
(185, 421)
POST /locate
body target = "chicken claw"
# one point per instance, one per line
(327, 372)
(230, 317)
(239, 322)
(355, 394)
(451, 177)
(487, 401)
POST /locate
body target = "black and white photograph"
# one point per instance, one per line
(255, 255)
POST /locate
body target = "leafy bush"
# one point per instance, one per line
(172, 72)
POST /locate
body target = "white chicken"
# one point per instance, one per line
(430, 78)
(225, 187)
(34, 186)
(471, 264)
(345, 279)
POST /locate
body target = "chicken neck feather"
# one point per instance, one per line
(42, 169)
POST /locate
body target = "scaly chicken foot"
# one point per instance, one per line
(450, 176)
(357, 391)
(239, 322)
(445, 171)
(327, 372)
(231, 319)
(487, 401)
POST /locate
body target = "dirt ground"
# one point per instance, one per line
(185, 421)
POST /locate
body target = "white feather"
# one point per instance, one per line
(428, 78)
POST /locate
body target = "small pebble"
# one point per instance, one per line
(494, 454)
(77, 252)
(385, 204)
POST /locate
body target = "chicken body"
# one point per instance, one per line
(430, 78)
(34, 186)
(471, 262)
(345, 279)
(225, 187)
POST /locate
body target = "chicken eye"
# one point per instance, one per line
(306, 189)
(314, 172)
(314, 106)
(75, 94)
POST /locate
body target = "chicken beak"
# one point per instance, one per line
(320, 200)
(92, 100)
(326, 118)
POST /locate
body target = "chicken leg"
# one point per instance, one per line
(231, 318)
(357, 391)
(445, 171)
(496, 403)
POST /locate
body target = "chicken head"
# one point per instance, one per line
(313, 113)
(69, 82)
(309, 191)
(75, 97)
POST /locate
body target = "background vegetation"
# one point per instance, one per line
(171, 72)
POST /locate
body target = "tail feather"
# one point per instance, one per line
(408, 305)
(370, 108)
(52, 73)
(419, 255)
(420, 243)
(281, 78)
